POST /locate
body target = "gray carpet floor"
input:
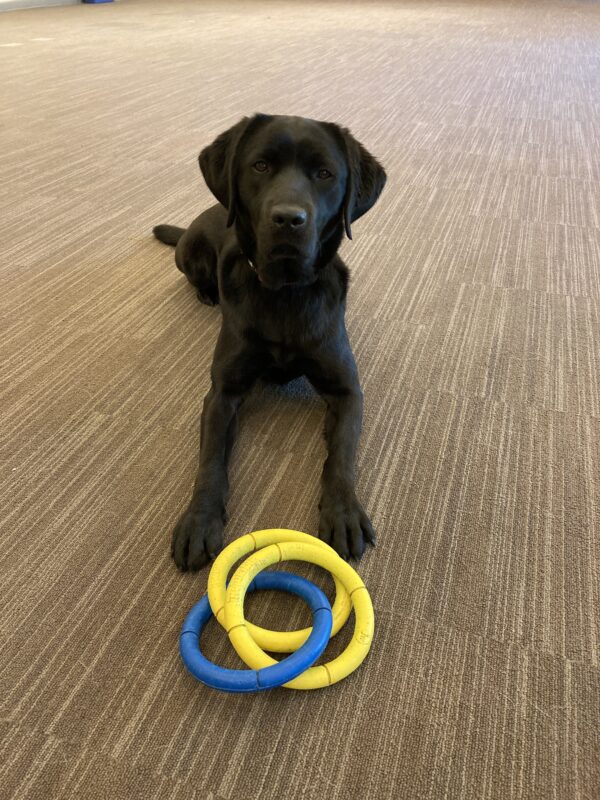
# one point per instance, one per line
(474, 313)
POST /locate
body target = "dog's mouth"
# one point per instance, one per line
(281, 280)
(285, 253)
(281, 273)
(283, 264)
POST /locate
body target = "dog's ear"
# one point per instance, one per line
(366, 179)
(218, 163)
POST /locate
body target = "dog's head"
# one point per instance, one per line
(292, 186)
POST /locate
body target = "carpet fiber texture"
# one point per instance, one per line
(474, 313)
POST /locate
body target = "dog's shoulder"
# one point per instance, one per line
(340, 279)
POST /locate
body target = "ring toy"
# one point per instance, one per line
(272, 641)
(276, 673)
(250, 652)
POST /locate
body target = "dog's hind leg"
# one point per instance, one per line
(195, 256)
(197, 249)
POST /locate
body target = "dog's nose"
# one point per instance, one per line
(288, 216)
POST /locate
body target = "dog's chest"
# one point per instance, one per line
(284, 364)
(283, 355)
(286, 350)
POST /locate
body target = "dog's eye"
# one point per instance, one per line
(260, 166)
(323, 174)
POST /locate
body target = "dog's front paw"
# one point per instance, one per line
(344, 524)
(197, 539)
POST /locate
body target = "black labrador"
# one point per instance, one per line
(288, 188)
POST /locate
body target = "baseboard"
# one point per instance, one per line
(13, 5)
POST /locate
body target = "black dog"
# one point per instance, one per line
(292, 186)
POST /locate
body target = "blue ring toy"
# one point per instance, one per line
(253, 680)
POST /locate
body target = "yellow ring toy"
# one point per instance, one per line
(273, 641)
(251, 653)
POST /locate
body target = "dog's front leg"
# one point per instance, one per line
(343, 523)
(198, 536)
